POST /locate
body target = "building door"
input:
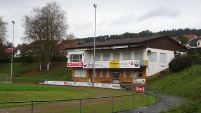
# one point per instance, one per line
(115, 77)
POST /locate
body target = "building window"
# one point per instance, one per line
(138, 56)
(106, 56)
(107, 73)
(116, 56)
(97, 57)
(163, 57)
(153, 57)
(101, 73)
(140, 73)
(132, 73)
(75, 57)
(126, 55)
(80, 73)
(124, 73)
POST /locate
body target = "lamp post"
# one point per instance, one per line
(94, 71)
(11, 71)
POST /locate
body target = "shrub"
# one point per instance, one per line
(59, 59)
(180, 63)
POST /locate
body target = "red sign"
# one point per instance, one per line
(140, 89)
(75, 64)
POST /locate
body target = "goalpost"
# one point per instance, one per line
(4, 78)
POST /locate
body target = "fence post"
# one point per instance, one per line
(147, 100)
(112, 104)
(80, 105)
(155, 96)
(133, 101)
(31, 106)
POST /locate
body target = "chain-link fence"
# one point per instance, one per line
(85, 105)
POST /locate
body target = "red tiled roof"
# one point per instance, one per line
(63, 46)
(176, 39)
(9, 50)
(190, 36)
(66, 45)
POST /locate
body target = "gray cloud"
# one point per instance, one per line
(122, 20)
(162, 11)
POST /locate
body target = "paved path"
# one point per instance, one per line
(166, 103)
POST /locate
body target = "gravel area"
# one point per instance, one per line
(166, 102)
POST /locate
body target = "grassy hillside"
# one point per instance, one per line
(29, 73)
(186, 84)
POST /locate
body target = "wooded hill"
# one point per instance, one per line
(171, 33)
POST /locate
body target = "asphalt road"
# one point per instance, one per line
(166, 103)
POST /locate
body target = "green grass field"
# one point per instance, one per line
(23, 89)
(186, 84)
(32, 92)
(27, 92)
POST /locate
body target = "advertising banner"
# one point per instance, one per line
(130, 64)
(56, 82)
(102, 64)
(136, 80)
(88, 84)
(114, 64)
(98, 85)
(140, 89)
(74, 64)
(98, 64)
(115, 86)
(69, 83)
(106, 85)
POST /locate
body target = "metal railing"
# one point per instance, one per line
(85, 105)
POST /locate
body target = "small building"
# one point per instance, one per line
(15, 51)
(195, 42)
(131, 60)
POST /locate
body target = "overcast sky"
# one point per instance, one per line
(113, 16)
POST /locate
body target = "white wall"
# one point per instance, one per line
(199, 43)
(87, 56)
(153, 67)
(17, 53)
(157, 66)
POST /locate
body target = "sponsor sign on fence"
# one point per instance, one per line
(89, 84)
(140, 89)
(69, 83)
(136, 80)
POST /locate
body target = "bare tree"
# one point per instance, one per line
(3, 31)
(70, 36)
(45, 26)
